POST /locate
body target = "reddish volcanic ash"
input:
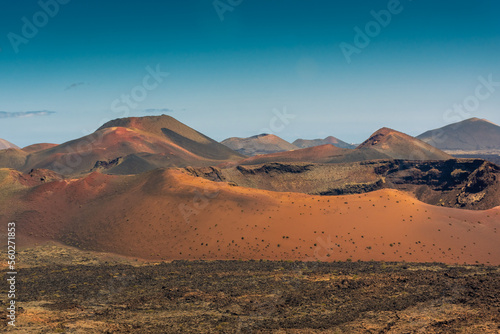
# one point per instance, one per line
(169, 214)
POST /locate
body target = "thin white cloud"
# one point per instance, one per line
(23, 114)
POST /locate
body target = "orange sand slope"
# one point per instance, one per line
(167, 214)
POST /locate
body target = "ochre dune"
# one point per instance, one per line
(168, 214)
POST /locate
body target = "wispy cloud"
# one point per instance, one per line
(74, 85)
(21, 114)
(154, 110)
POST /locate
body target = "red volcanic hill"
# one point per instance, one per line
(469, 135)
(169, 214)
(133, 145)
(398, 145)
(260, 144)
(304, 143)
(5, 144)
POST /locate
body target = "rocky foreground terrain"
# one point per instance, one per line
(63, 290)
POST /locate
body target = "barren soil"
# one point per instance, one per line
(85, 292)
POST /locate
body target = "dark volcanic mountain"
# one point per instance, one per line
(398, 145)
(469, 135)
(260, 144)
(304, 143)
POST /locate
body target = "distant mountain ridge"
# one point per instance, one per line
(468, 135)
(305, 143)
(4, 144)
(138, 144)
(259, 144)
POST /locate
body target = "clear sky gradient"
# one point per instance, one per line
(232, 68)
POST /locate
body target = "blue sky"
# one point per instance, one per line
(231, 69)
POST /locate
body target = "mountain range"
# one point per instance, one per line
(305, 143)
(154, 188)
(125, 146)
(259, 144)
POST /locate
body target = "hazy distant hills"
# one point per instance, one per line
(138, 144)
(5, 144)
(269, 144)
(259, 144)
(472, 138)
(383, 144)
(304, 143)
(469, 135)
